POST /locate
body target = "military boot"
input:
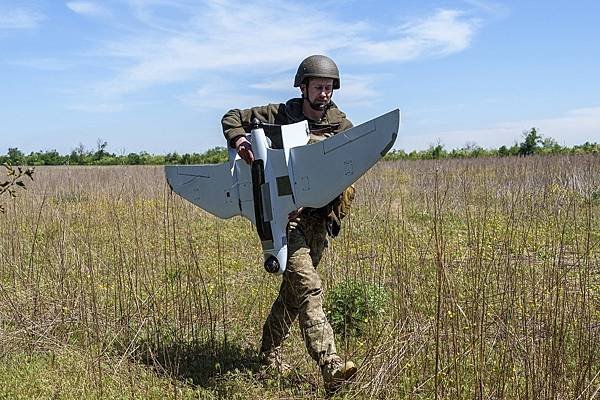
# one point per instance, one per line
(335, 373)
(272, 364)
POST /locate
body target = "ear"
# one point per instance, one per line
(303, 88)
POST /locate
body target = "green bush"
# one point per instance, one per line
(351, 305)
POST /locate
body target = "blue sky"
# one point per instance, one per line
(157, 75)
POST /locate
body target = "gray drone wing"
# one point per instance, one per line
(207, 186)
(322, 170)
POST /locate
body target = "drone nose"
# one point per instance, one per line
(272, 265)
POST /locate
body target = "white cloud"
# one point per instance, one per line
(261, 38)
(19, 18)
(357, 91)
(225, 37)
(219, 94)
(574, 127)
(88, 8)
(443, 33)
(278, 83)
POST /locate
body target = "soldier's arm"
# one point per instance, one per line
(345, 125)
(338, 117)
(236, 122)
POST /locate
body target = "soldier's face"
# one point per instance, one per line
(318, 90)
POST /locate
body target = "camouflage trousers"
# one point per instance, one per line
(300, 294)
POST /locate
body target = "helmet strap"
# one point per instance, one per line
(319, 106)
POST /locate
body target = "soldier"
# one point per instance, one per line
(300, 295)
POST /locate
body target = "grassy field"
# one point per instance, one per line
(113, 287)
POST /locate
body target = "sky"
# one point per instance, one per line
(157, 75)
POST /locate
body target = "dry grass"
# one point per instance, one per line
(491, 267)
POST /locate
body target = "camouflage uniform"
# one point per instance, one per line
(300, 294)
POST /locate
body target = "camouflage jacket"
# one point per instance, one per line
(238, 122)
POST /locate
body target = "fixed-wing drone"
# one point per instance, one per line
(286, 174)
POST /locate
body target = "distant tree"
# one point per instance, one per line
(34, 159)
(133, 159)
(15, 156)
(101, 150)
(151, 159)
(550, 146)
(110, 159)
(172, 158)
(470, 149)
(414, 155)
(531, 143)
(587, 147)
(52, 157)
(503, 151)
(215, 155)
(79, 155)
(395, 155)
(435, 152)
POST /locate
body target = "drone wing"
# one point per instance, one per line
(208, 186)
(321, 171)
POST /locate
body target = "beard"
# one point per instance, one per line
(319, 105)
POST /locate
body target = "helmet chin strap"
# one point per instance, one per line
(317, 106)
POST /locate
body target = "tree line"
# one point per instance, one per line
(101, 156)
(533, 143)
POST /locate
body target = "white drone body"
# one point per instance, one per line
(286, 174)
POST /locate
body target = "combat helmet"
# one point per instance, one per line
(317, 66)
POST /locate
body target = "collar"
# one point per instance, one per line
(294, 112)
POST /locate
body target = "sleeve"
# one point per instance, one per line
(338, 117)
(336, 210)
(345, 124)
(237, 122)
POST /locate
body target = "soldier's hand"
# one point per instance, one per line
(294, 214)
(244, 149)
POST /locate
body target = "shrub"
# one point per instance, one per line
(351, 305)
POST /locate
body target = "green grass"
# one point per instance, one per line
(67, 374)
